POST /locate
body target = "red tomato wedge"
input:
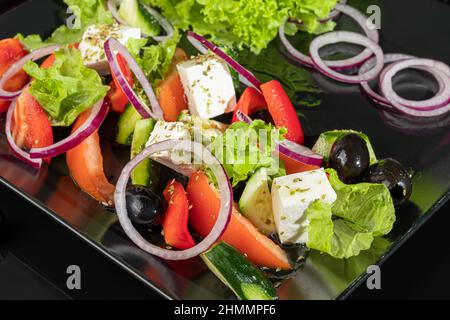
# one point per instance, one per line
(48, 62)
(175, 222)
(31, 127)
(171, 95)
(294, 166)
(85, 163)
(240, 233)
(282, 111)
(116, 97)
(11, 50)
(250, 102)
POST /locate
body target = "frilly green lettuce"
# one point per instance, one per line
(250, 23)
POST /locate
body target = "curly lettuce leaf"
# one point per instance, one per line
(251, 23)
(66, 89)
(85, 13)
(348, 226)
(89, 12)
(239, 150)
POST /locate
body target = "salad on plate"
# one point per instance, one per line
(218, 166)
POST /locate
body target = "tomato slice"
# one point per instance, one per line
(116, 97)
(294, 166)
(282, 111)
(175, 222)
(48, 62)
(240, 233)
(250, 102)
(11, 50)
(171, 95)
(85, 163)
(31, 127)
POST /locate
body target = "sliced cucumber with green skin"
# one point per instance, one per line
(144, 174)
(136, 15)
(126, 124)
(256, 202)
(239, 274)
(327, 139)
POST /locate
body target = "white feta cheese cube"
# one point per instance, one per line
(208, 86)
(95, 36)
(170, 131)
(291, 196)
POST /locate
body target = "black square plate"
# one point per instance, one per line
(418, 27)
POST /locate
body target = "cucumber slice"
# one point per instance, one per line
(136, 15)
(126, 124)
(144, 174)
(327, 139)
(256, 202)
(239, 274)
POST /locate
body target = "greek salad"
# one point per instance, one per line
(218, 167)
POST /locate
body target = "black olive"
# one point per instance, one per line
(391, 173)
(349, 157)
(144, 207)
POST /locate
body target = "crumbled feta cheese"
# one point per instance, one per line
(95, 36)
(291, 196)
(208, 86)
(170, 131)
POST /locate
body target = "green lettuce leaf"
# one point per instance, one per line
(154, 59)
(89, 12)
(238, 149)
(85, 13)
(250, 23)
(348, 226)
(67, 88)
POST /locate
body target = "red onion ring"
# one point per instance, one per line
(351, 37)
(243, 117)
(349, 63)
(17, 66)
(18, 152)
(288, 148)
(96, 118)
(224, 187)
(299, 153)
(203, 45)
(168, 28)
(436, 106)
(369, 64)
(440, 75)
(111, 46)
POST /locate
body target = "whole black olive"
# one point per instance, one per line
(144, 207)
(391, 173)
(349, 157)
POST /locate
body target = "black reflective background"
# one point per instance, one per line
(49, 248)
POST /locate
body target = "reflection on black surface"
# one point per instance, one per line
(338, 273)
(413, 125)
(406, 216)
